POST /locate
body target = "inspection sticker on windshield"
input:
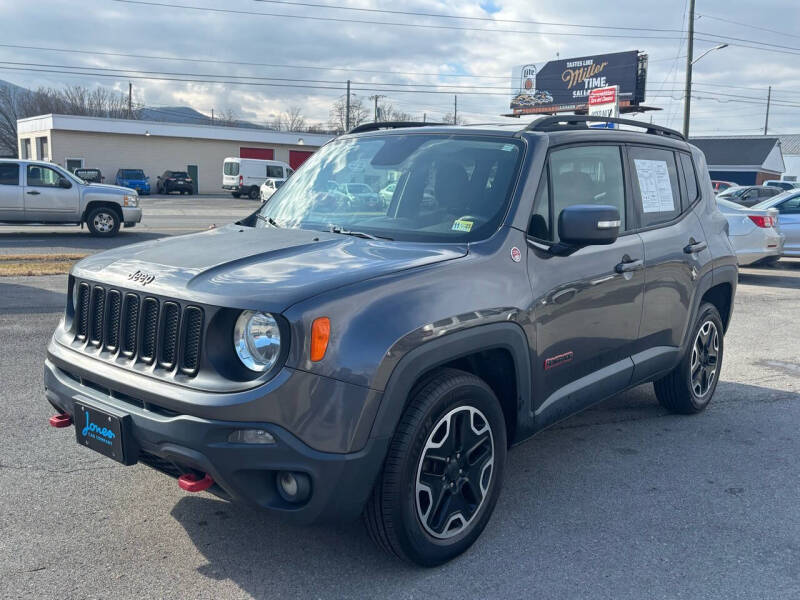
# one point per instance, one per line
(462, 225)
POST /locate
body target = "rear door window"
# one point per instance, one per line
(655, 184)
(583, 175)
(230, 168)
(9, 174)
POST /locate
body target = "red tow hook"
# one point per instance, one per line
(192, 483)
(60, 421)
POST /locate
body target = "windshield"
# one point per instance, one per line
(449, 188)
(132, 174)
(180, 174)
(728, 205)
(230, 168)
(775, 200)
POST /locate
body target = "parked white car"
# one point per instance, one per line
(269, 187)
(752, 232)
(788, 207)
(41, 192)
(244, 176)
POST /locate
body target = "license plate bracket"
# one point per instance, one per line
(104, 430)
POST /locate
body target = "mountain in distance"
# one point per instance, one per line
(163, 114)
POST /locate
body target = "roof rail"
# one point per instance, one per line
(388, 125)
(556, 123)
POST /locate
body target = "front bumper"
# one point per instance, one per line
(179, 443)
(131, 215)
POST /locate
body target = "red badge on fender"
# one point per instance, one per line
(516, 255)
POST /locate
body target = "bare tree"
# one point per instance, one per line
(17, 103)
(448, 118)
(338, 113)
(227, 118)
(387, 112)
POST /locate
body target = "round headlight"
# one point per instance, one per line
(257, 340)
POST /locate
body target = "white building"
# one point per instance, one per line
(154, 147)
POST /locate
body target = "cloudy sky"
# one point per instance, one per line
(305, 50)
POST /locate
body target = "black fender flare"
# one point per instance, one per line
(726, 274)
(508, 336)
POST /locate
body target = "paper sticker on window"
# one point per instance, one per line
(462, 225)
(655, 186)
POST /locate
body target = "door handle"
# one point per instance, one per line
(627, 265)
(33, 193)
(695, 247)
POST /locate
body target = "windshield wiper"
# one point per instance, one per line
(360, 234)
(268, 220)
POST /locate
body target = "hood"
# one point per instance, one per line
(265, 269)
(109, 187)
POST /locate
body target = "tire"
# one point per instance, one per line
(680, 392)
(402, 516)
(103, 221)
(236, 194)
(254, 193)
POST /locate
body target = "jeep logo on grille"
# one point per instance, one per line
(141, 277)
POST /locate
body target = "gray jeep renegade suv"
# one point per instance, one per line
(325, 359)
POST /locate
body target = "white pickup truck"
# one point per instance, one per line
(42, 192)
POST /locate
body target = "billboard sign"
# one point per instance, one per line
(604, 102)
(565, 85)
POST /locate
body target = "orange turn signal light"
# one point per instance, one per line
(320, 334)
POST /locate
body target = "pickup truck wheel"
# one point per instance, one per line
(689, 387)
(103, 221)
(443, 471)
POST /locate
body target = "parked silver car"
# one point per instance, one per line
(752, 232)
(788, 207)
(42, 192)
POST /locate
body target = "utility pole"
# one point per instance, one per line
(766, 121)
(212, 116)
(455, 110)
(130, 100)
(376, 97)
(424, 117)
(687, 100)
(347, 109)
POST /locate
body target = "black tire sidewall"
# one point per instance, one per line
(707, 312)
(415, 541)
(90, 222)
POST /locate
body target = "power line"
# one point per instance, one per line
(508, 90)
(244, 63)
(465, 18)
(749, 25)
(389, 23)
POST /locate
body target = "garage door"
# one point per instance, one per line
(298, 157)
(262, 153)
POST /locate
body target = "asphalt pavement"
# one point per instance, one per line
(621, 501)
(161, 216)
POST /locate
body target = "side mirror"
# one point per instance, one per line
(64, 183)
(588, 225)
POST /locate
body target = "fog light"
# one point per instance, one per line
(251, 436)
(294, 487)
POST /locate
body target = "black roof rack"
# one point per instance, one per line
(389, 125)
(556, 123)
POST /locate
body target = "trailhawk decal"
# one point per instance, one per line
(557, 360)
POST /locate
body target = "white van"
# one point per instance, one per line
(244, 176)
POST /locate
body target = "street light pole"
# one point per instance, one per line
(766, 121)
(347, 109)
(687, 99)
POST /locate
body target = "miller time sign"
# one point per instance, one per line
(565, 85)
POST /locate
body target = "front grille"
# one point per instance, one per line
(139, 327)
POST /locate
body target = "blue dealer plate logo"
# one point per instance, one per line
(95, 432)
